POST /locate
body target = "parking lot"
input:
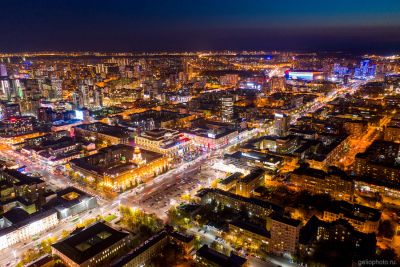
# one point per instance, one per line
(171, 194)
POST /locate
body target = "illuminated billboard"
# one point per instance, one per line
(305, 75)
(297, 75)
(79, 114)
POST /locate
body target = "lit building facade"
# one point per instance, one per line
(284, 234)
(120, 166)
(96, 245)
(164, 141)
(33, 224)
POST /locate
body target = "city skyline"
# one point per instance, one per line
(199, 133)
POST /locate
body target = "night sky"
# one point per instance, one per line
(188, 25)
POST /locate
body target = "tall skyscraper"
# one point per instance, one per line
(84, 90)
(282, 123)
(5, 88)
(75, 99)
(98, 97)
(227, 108)
(56, 88)
(277, 83)
(3, 70)
(365, 70)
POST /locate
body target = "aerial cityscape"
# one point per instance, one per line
(181, 134)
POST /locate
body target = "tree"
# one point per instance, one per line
(333, 253)
(386, 229)
(388, 254)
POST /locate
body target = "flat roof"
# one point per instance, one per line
(251, 227)
(231, 178)
(99, 127)
(286, 220)
(255, 174)
(219, 258)
(141, 248)
(254, 201)
(89, 242)
(354, 211)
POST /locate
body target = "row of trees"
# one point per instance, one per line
(137, 221)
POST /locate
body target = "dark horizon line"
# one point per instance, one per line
(166, 51)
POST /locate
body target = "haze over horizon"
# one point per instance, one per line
(113, 26)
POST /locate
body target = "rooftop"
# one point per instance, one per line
(99, 127)
(354, 211)
(251, 227)
(140, 249)
(81, 246)
(285, 220)
(219, 258)
(231, 178)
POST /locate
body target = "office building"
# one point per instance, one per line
(362, 218)
(145, 252)
(284, 234)
(164, 141)
(335, 182)
(110, 135)
(17, 225)
(282, 123)
(226, 108)
(96, 245)
(208, 257)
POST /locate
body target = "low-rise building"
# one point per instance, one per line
(70, 201)
(249, 234)
(340, 231)
(208, 257)
(96, 245)
(334, 182)
(246, 185)
(24, 186)
(252, 159)
(328, 151)
(254, 206)
(363, 218)
(370, 186)
(120, 166)
(164, 141)
(184, 240)
(145, 252)
(392, 131)
(379, 161)
(101, 132)
(229, 182)
(17, 225)
(211, 135)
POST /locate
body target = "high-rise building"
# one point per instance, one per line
(8, 110)
(229, 79)
(339, 70)
(285, 234)
(282, 124)
(227, 108)
(84, 92)
(56, 88)
(5, 88)
(3, 70)
(365, 70)
(277, 83)
(98, 97)
(17, 88)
